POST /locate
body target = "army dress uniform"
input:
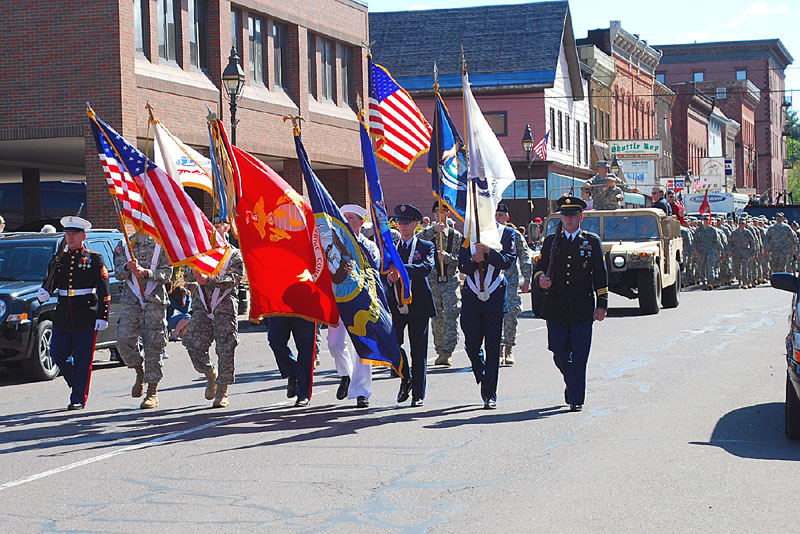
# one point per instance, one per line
(445, 284)
(579, 286)
(214, 320)
(81, 283)
(143, 312)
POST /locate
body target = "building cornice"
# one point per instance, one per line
(633, 49)
(605, 69)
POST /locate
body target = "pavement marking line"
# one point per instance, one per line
(129, 448)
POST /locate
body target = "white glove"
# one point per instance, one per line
(42, 295)
(100, 324)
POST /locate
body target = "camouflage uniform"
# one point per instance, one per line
(607, 199)
(743, 245)
(687, 261)
(147, 320)
(782, 244)
(446, 294)
(758, 248)
(522, 266)
(724, 268)
(707, 246)
(220, 326)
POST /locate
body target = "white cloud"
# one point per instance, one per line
(758, 9)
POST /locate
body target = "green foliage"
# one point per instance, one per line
(794, 182)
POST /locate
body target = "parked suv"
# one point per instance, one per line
(26, 325)
(790, 282)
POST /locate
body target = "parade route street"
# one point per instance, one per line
(682, 431)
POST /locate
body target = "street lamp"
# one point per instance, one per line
(527, 146)
(233, 81)
(615, 166)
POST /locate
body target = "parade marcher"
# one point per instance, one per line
(483, 305)
(659, 201)
(298, 370)
(417, 256)
(688, 245)
(360, 373)
(572, 271)
(609, 197)
(445, 285)
(743, 246)
(708, 244)
(521, 268)
(80, 279)
(724, 260)
(143, 311)
(782, 245)
(214, 309)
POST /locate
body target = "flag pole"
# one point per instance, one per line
(117, 207)
(471, 180)
(440, 211)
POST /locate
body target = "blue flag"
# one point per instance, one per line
(447, 162)
(390, 258)
(360, 297)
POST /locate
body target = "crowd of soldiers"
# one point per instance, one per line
(718, 252)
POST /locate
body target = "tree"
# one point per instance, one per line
(793, 139)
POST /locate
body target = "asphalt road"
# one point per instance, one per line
(682, 431)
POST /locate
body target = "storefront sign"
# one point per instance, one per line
(636, 149)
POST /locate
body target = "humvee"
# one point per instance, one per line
(643, 252)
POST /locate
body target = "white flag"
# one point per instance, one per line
(182, 162)
(489, 171)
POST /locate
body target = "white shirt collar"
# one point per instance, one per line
(572, 235)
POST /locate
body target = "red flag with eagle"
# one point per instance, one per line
(280, 245)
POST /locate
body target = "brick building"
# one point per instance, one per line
(299, 57)
(664, 99)
(761, 62)
(690, 118)
(604, 71)
(543, 87)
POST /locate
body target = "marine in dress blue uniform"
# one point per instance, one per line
(482, 311)
(299, 370)
(572, 272)
(80, 279)
(417, 256)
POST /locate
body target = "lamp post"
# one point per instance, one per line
(615, 165)
(233, 81)
(527, 146)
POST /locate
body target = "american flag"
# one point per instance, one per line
(158, 203)
(402, 131)
(541, 147)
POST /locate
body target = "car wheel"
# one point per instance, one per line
(650, 291)
(40, 365)
(792, 411)
(671, 296)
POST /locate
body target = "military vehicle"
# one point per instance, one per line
(643, 252)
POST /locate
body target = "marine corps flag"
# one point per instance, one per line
(358, 288)
(281, 247)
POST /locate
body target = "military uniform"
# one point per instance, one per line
(298, 369)
(445, 284)
(523, 268)
(607, 198)
(81, 282)
(143, 315)
(214, 308)
(743, 246)
(417, 256)
(482, 311)
(708, 244)
(577, 273)
(782, 245)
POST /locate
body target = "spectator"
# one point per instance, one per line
(2, 224)
(658, 200)
(48, 229)
(676, 207)
(180, 303)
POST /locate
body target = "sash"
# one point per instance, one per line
(474, 282)
(151, 285)
(217, 296)
(403, 309)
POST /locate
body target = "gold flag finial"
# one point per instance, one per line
(296, 123)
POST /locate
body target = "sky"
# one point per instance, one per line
(678, 21)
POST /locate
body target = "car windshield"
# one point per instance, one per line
(588, 224)
(25, 260)
(630, 227)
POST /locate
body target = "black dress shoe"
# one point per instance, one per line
(490, 404)
(362, 402)
(344, 385)
(405, 389)
(291, 387)
(576, 407)
(75, 406)
(302, 402)
(417, 402)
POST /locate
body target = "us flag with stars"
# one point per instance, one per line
(402, 131)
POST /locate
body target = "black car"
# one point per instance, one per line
(790, 282)
(26, 325)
